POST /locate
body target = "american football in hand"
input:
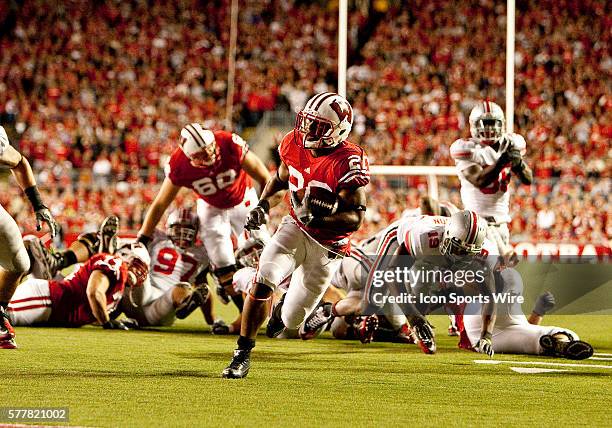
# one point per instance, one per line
(322, 202)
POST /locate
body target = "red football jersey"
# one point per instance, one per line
(221, 185)
(69, 303)
(346, 166)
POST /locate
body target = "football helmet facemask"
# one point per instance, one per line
(464, 236)
(487, 122)
(138, 260)
(247, 255)
(325, 121)
(199, 145)
(182, 227)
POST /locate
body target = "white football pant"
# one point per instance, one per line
(291, 252)
(217, 225)
(13, 254)
(31, 303)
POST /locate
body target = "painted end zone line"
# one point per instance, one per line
(541, 363)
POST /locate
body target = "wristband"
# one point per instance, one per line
(265, 205)
(144, 239)
(34, 196)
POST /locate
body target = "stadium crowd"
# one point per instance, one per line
(96, 94)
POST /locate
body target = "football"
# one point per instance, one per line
(321, 202)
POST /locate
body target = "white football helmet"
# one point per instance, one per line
(487, 122)
(464, 235)
(325, 121)
(138, 260)
(182, 227)
(247, 255)
(199, 145)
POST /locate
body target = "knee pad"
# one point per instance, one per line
(21, 262)
(91, 241)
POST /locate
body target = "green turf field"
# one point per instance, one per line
(170, 377)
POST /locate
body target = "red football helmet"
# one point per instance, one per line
(325, 121)
(199, 145)
(182, 227)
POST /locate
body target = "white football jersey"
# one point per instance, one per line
(4, 140)
(492, 200)
(422, 238)
(171, 264)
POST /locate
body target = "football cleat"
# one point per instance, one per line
(316, 321)
(275, 324)
(7, 334)
(42, 263)
(367, 328)
(452, 330)
(563, 345)
(239, 366)
(425, 337)
(108, 234)
(220, 327)
(404, 335)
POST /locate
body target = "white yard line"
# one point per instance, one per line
(541, 363)
(601, 358)
(600, 354)
(537, 370)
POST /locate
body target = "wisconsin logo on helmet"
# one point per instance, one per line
(325, 121)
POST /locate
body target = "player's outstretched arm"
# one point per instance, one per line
(97, 285)
(22, 171)
(256, 169)
(271, 195)
(489, 314)
(160, 204)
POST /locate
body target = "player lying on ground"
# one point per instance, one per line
(14, 261)
(514, 333)
(435, 249)
(325, 175)
(176, 285)
(89, 295)
(485, 163)
(218, 167)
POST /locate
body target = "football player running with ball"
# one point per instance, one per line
(325, 175)
(14, 260)
(218, 167)
(485, 163)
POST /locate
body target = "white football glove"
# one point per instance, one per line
(485, 346)
(44, 215)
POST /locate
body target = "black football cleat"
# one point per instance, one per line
(107, 234)
(42, 263)
(275, 324)
(316, 321)
(425, 337)
(239, 366)
(367, 328)
(7, 334)
(563, 345)
(194, 302)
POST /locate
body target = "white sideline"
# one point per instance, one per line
(541, 363)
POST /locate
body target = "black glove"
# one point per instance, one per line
(114, 325)
(257, 216)
(544, 303)
(44, 215)
(219, 327)
(143, 239)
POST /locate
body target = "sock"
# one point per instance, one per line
(68, 258)
(245, 344)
